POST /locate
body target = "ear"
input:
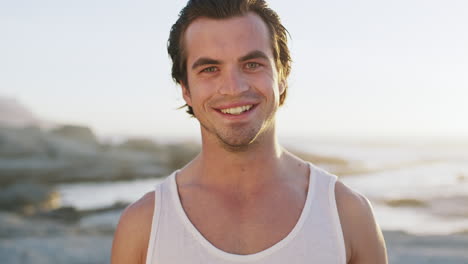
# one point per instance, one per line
(186, 94)
(282, 86)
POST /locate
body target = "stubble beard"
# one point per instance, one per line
(240, 138)
(235, 138)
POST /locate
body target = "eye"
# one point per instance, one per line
(210, 69)
(252, 65)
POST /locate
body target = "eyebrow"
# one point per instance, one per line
(256, 54)
(208, 61)
(204, 61)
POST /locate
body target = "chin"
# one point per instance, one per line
(239, 141)
(236, 146)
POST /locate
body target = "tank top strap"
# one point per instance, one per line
(325, 202)
(158, 207)
(324, 183)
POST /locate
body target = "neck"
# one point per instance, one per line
(246, 170)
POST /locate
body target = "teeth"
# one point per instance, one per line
(236, 110)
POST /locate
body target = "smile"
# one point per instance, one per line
(236, 110)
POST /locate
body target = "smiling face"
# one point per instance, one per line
(232, 81)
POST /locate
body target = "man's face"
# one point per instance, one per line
(232, 79)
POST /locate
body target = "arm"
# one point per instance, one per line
(132, 234)
(363, 238)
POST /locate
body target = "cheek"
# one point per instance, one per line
(200, 92)
(267, 86)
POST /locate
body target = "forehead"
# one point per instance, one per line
(227, 39)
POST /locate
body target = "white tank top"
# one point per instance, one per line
(316, 238)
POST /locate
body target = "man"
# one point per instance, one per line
(243, 198)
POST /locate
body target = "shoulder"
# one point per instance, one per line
(132, 233)
(363, 237)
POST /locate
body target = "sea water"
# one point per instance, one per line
(420, 187)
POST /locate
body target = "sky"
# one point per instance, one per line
(360, 68)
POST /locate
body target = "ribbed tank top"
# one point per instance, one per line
(316, 238)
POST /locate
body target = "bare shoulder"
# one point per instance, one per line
(132, 234)
(363, 237)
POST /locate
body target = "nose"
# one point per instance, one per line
(233, 82)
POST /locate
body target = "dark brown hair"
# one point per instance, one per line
(221, 9)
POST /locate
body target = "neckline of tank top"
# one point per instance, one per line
(313, 172)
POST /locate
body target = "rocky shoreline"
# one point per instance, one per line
(34, 226)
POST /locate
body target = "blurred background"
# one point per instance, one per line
(89, 119)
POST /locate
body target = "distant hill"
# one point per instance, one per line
(15, 114)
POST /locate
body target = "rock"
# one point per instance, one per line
(110, 166)
(31, 169)
(21, 142)
(14, 225)
(140, 144)
(36, 156)
(33, 142)
(114, 165)
(77, 133)
(72, 154)
(68, 214)
(65, 214)
(28, 198)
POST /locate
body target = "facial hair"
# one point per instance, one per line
(241, 137)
